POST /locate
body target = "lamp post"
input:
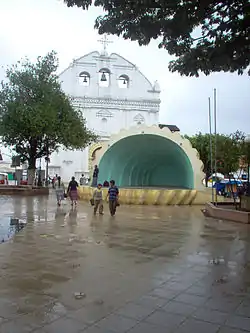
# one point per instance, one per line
(247, 140)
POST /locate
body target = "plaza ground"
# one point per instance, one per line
(149, 269)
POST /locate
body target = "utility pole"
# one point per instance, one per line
(210, 143)
(215, 144)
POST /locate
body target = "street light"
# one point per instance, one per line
(247, 140)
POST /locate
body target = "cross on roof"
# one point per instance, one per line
(105, 42)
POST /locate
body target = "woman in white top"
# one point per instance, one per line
(60, 191)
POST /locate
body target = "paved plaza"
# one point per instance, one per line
(148, 269)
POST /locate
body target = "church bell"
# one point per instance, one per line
(124, 82)
(103, 77)
(85, 79)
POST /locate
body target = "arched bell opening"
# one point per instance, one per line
(104, 77)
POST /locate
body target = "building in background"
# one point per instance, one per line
(112, 94)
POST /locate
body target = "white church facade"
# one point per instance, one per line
(112, 94)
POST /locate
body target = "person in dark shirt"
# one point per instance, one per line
(95, 176)
(72, 191)
(113, 194)
(106, 184)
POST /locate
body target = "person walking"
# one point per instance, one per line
(95, 176)
(60, 190)
(82, 180)
(98, 199)
(54, 180)
(113, 194)
(72, 191)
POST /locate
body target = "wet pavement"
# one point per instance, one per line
(149, 269)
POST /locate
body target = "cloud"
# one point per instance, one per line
(32, 28)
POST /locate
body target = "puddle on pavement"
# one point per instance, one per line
(7, 231)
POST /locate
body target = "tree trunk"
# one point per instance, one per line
(31, 176)
(31, 170)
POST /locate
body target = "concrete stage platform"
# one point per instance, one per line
(154, 196)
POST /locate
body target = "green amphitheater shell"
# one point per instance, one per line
(147, 160)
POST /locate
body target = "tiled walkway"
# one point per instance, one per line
(149, 269)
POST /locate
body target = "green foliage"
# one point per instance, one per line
(204, 35)
(229, 150)
(36, 117)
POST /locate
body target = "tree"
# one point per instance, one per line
(36, 117)
(245, 152)
(204, 35)
(229, 150)
(201, 142)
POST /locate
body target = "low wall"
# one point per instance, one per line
(153, 196)
(24, 190)
(226, 214)
(245, 203)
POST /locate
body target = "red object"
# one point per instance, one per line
(24, 182)
(2, 181)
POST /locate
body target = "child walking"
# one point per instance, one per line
(98, 199)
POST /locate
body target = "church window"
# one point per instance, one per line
(123, 81)
(104, 77)
(84, 79)
(104, 125)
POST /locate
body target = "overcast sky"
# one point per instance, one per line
(35, 27)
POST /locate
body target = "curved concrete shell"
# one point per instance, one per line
(150, 157)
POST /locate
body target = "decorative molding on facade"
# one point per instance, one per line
(139, 118)
(87, 64)
(104, 114)
(67, 162)
(101, 57)
(128, 67)
(147, 105)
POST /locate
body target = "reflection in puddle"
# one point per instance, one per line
(9, 227)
